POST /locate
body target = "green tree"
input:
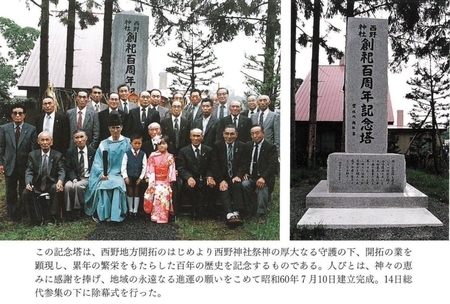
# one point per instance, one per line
(20, 42)
(431, 94)
(194, 63)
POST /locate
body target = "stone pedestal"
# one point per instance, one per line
(366, 187)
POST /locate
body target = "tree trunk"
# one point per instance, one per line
(43, 59)
(314, 87)
(68, 80)
(294, 143)
(106, 49)
(269, 53)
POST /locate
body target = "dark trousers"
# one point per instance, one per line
(40, 209)
(233, 198)
(15, 206)
(199, 197)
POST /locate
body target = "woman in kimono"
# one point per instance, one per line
(106, 197)
(160, 174)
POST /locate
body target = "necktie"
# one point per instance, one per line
(125, 108)
(230, 160)
(97, 109)
(177, 133)
(17, 134)
(261, 118)
(44, 172)
(155, 146)
(222, 107)
(80, 120)
(135, 154)
(255, 161)
(144, 115)
(197, 154)
(47, 123)
(81, 164)
(235, 121)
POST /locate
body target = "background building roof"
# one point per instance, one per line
(330, 102)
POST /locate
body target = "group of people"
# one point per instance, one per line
(117, 159)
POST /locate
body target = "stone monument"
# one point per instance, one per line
(129, 52)
(366, 186)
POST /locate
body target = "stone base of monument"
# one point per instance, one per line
(366, 210)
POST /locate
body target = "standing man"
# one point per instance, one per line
(78, 165)
(194, 107)
(54, 122)
(125, 105)
(252, 106)
(17, 139)
(141, 117)
(262, 161)
(103, 117)
(44, 176)
(95, 100)
(195, 169)
(221, 108)
(82, 118)
(229, 168)
(242, 123)
(155, 102)
(208, 123)
(269, 120)
(176, 127)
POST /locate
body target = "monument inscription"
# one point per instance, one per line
(366, 86)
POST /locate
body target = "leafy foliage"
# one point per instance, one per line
(194, 63)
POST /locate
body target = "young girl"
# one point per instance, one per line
(133, 171)
(161, 174)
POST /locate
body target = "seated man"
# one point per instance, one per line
(229, 169)
(78, 164)
(194, 168)
(262, 161)
(44, 178)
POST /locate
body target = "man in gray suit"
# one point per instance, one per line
(155, 102)
(82, 118)
(96, 103)
(269, 120)
(17, 139)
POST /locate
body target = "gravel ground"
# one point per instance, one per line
(131, 229)
(298, 208)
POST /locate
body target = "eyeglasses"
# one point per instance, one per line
(17, 113)
(222, 94)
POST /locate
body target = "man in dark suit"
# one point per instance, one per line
(125, 105)
(207, 123)
(141, 117)
(176, 127)
(252, 106)
(194, 106)
(262, 163)
(242, 123)
(229, 168)
(82, 118)
(17, 139)
(195, 169)
(44, 176)
(54, 122)
(154, 131)
(78, 164)
(103, 117)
